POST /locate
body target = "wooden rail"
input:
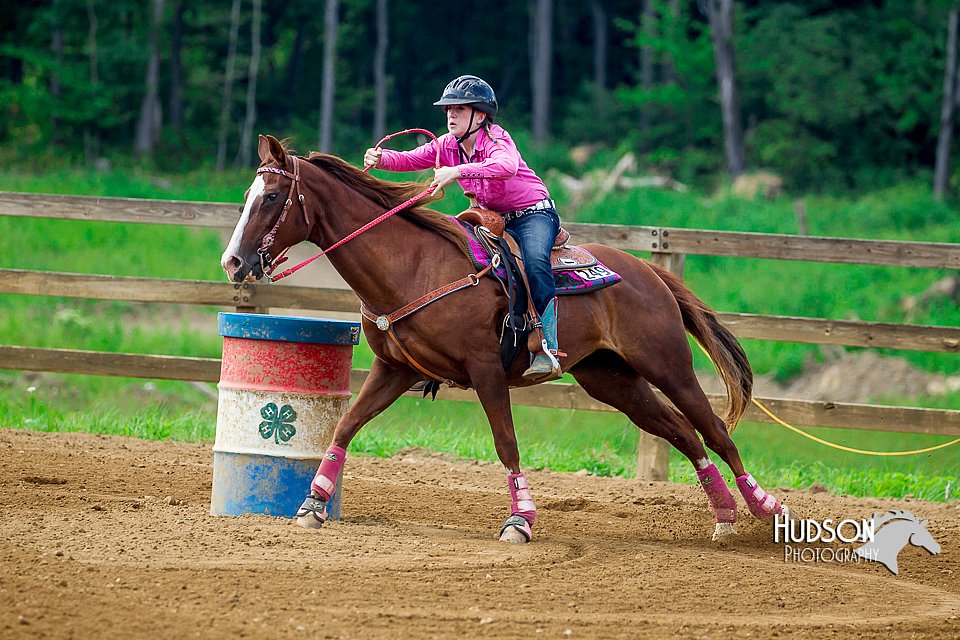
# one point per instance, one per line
(77, 285)
(843, 332)
(668, 246)
(194, 214)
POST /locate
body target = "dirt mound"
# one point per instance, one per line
(851, 377)
(111, 538)
(863, 376)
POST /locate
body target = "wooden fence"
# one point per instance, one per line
(667, 246)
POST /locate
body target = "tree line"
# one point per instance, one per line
(824, 93)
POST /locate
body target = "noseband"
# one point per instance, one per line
(266, 262)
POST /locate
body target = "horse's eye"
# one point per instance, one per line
(271, 197)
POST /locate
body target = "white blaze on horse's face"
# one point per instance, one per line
(233, 249)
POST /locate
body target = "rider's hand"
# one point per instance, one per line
(444, 176)
(371, 158)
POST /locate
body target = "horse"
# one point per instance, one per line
(619, 342)
(901, 527)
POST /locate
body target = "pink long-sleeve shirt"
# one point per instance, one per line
(496, 173)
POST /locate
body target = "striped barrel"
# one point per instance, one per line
(284, 383)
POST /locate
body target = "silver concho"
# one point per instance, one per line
(383, 323)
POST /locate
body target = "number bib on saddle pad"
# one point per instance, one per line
(575, 269)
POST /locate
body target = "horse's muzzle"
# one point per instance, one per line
(239, 270)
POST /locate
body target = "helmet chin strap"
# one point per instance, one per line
(470, 132)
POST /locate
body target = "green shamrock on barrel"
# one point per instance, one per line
(277, 422)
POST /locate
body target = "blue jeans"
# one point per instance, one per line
(535, 233)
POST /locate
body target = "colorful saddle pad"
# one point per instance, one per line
(575, 269)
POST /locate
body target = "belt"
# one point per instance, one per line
(546, 203)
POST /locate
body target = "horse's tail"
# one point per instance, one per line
(725, 351)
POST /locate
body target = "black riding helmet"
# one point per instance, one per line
(473, 91)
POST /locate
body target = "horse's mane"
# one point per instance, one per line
(882, 518)
(391, 194)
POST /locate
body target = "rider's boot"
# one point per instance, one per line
(545, 365)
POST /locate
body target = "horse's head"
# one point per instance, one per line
(922, 538)
(266, 227)
(898, 528)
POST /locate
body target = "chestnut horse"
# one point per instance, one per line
(619, 341)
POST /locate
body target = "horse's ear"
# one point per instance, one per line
(269, 149)
(263, 149)
(279, 153)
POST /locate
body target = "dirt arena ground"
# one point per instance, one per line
(110, 538)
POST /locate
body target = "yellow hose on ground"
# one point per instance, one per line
(833, 444)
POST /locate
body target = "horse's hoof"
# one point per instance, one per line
(309, 522)
(723, 530)
(312, 514)
(516, 529)
(512, 535)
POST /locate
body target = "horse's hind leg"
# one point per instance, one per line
(606, 377)
(688, 397)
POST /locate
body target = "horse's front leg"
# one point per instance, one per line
(381, 389)
(490, 382)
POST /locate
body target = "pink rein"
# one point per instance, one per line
(280, 259)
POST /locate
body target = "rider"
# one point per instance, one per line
(482, 157)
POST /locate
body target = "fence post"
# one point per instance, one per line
(242, 299)
(653, 453)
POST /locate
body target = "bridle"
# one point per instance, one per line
(269, 265)
(384, 322)
(266, 262)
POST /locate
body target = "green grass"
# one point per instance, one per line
(155, 410)
(601, 443)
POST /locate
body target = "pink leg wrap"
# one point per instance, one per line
(325, 481)
(721, 500)
(761, 503)
(521, 502)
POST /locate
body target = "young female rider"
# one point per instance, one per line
(482, 157)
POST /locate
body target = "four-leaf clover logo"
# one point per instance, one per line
(277, 422)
